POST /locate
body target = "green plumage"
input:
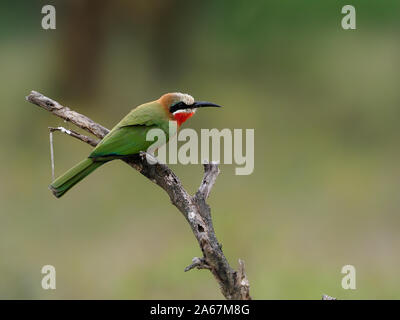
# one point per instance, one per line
(62, 184)
(128, 137)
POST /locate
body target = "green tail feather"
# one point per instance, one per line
(62, 184)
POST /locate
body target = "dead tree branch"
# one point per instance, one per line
(233, 284)
(72, 133)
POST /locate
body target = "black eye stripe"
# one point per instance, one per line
(178, 106)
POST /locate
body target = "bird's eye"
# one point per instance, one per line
(177, 106)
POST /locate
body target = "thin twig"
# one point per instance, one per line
(233, 284)
(198, 263)
(72, 133)
(51, 155)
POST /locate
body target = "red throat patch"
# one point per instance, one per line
(181, 117)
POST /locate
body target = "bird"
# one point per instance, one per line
(128, 137)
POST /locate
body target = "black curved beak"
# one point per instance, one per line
(198, 104)
(203, 104)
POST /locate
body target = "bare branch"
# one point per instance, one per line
(211, 172)
(198, 263)
(242, 281)
(233, 284)
(72, 133)
(67, 114)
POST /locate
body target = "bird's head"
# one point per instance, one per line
(182, 106)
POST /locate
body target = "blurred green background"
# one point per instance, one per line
(324, 103)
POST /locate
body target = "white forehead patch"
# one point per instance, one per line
(184, 97)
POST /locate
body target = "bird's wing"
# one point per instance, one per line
(129, 135)
(152, 113)
(123, 141)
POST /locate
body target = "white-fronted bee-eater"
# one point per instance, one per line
(128, 137)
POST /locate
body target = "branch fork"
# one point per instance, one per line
(233, 284)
